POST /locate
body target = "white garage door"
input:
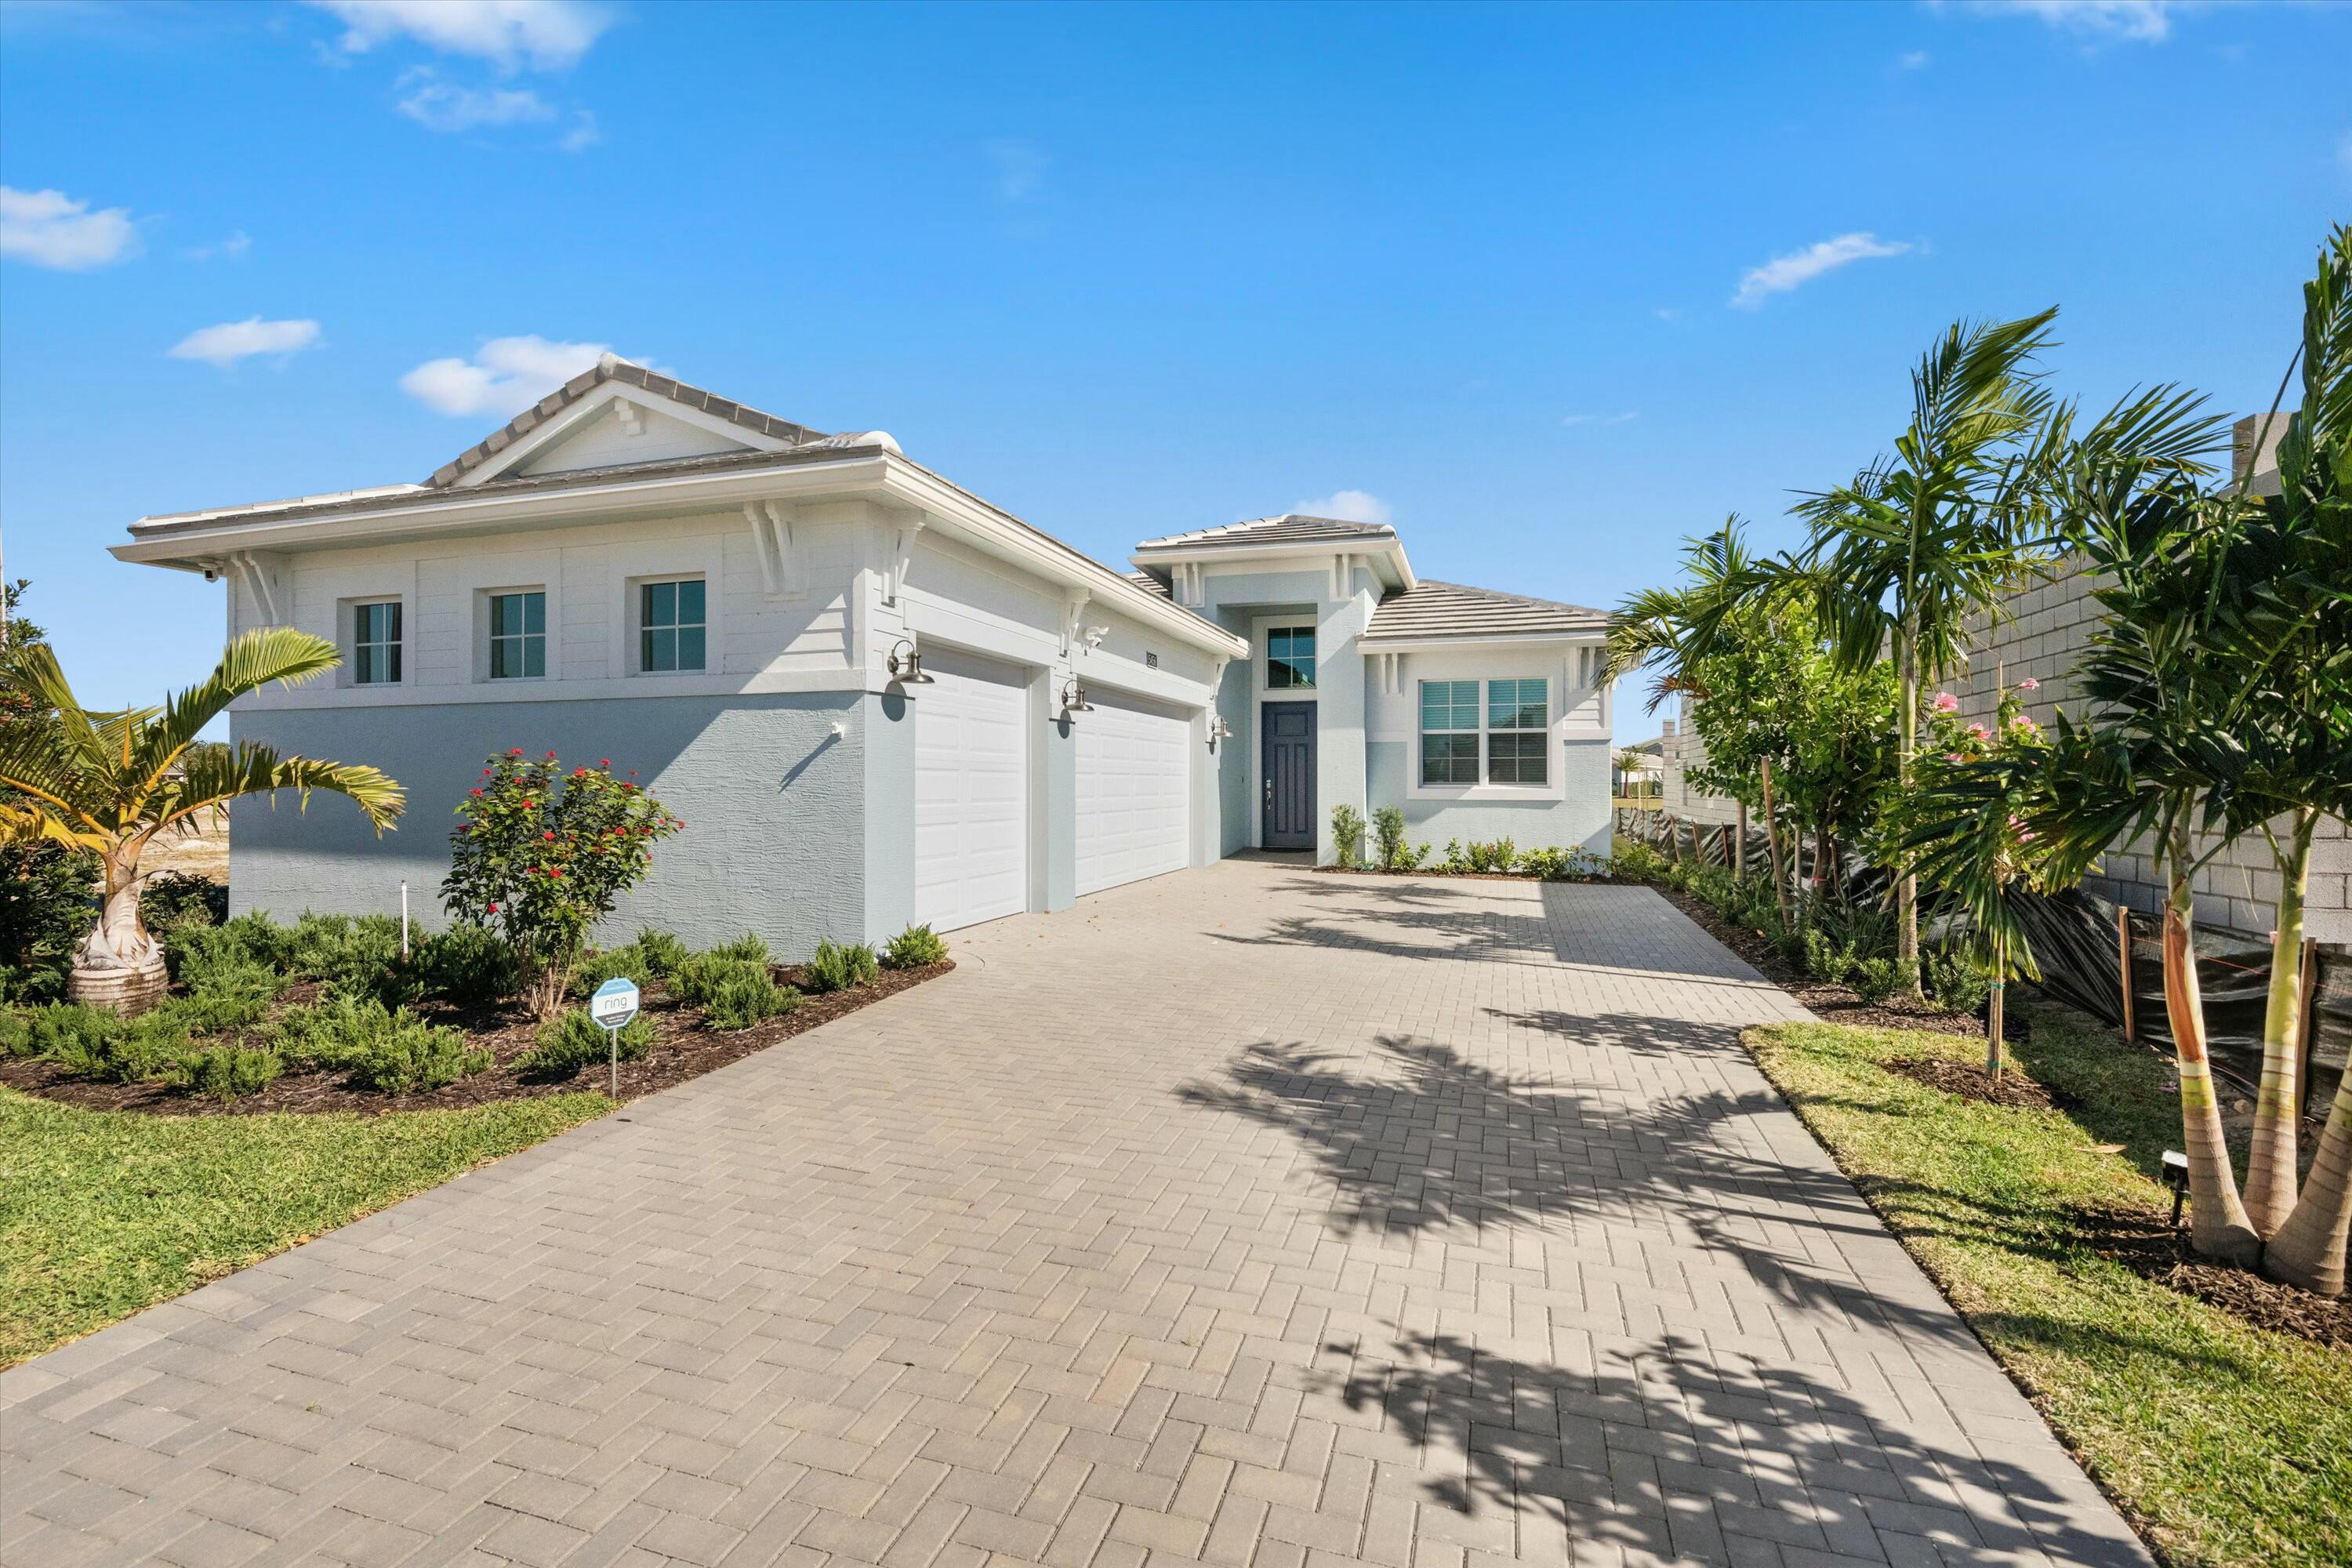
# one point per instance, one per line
(971, 792)
(1135, 792)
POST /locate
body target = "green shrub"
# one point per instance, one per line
(352, 952)
(700, 975)
(92, 1044)
(1388, 837)
(16, 1032)
(913, 948)
(227, 1072)
(45, 909)
(1347, 834)
(468, 965)
(1955, 982)
(1499, 856)
(227, 997)
(1876, 979)
(175, 900)
(1455, 860)
(663, 950)
(572, 1040)
(746, 996)
(1825, 960)
(627, 962)
(389, 1049)
(747, 947)
(832, 968)
(1635, 861)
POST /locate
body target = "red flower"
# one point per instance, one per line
(548, 834)
(551, 753)
(477, 792)
(494, 909)
(604, 761)
(517, 751)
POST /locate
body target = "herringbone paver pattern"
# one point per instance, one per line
(1247, 1216)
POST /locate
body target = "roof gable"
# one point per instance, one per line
(1290, 528)
(688, 422)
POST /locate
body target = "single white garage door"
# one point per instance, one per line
(1135, 792)
(971, 792)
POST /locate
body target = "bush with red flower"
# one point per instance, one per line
(543, 853)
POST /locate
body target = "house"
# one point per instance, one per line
(874, 698)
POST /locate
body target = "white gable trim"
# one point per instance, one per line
(560, 428)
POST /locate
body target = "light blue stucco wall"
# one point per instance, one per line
(1581, 821)
(887, 730)
(775, 806)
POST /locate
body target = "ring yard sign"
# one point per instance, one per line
(614, 1004)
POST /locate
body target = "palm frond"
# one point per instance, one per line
(280, 654)
(213, 778)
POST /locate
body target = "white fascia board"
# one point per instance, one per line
(459, 511)
(548, 432)
(1388, 553)
(997, 533)
(872, 473)
(1518, 639)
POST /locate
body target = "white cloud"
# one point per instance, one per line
(233, 248)
(1625, 418)
(231, 341)
(1347, 506)
(2126, 21)
(1911, 60)
(545, 35)
(446, 106)
(507, 376)
(49, 228)
(583, 133)
(1020, 169)
(1783, 273)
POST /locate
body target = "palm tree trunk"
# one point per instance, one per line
(2308, 1249)
(1772, 842)
(119, 966)
(2271, 1169)
(1995, 1041)
(2218, 1224)
(1907, 887)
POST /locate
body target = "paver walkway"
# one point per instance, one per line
(1247, 1215)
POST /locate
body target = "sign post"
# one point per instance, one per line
(614, 1004)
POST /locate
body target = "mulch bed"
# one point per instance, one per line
(1451, 876)
(682, 1049)
(1970, 1081)
(1834, 1003)
(2144, 1241)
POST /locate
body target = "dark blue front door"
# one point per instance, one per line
(1286, 775)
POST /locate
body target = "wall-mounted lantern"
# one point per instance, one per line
(908, 667)
(1074, 699)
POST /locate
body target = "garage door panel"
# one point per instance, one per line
(972, 796)
(1134, 793)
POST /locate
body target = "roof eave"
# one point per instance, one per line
(1384, 549)
(1430, 642)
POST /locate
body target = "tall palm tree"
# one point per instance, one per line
(2303, 619)
(1934, 534)
(113, 782)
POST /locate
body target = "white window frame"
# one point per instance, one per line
(546, 634)
(634, 610)
(1265, 657)
(1541, 732)
(1476, 731)
(1554, 785)
(348, 611)
(344, 635)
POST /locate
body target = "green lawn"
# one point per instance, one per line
(2231, 1445)
(104, 1213)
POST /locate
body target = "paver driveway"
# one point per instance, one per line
(1248, 1215)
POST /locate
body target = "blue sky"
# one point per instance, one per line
(1548, 288)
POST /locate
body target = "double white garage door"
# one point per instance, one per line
(972, 793)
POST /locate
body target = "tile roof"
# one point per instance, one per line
(1432, 609)
(1290, 528)
(612, 367)
(1149, 585)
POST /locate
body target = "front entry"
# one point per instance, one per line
(1286, 767)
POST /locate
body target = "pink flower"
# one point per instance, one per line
(2028, 684)
(1946, 703)
(1954, 757)
(1978, 731)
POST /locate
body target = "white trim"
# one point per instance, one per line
(549, 588)
(896, 479)
(1385, 558)
(551, 430)
(1372, 644)
(1554, 785)
(347, 642)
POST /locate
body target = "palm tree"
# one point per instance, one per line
(112, 782)
(2301, 617)
(1925, 539)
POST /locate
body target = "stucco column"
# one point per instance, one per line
(1339, 686)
